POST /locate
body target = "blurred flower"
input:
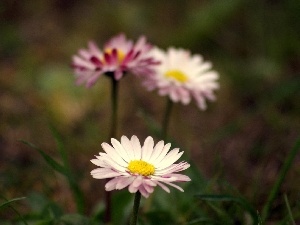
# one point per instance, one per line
(140, 168)
(182, 76)
(118, 57)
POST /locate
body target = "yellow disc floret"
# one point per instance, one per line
(120, 54)
(177, 75)
(141, 167)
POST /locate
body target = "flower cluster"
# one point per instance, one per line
(175, 73)
(141, 168)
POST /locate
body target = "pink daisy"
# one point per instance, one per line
(140, 168)
(118, 57)
(183, 76)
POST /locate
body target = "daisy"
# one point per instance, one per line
(140, 168)
(118, 57)
(183, 76)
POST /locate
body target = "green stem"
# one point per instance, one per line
(114, 107)
(113, 132)
(275, 189)
(136, 205)
(166, 119)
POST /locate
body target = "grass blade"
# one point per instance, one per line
(289, 210)
(275, 189)
(228, 198)
(51, 162)
(77, 193)
(60, 145)
(8, 203)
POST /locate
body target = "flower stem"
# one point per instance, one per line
(113, 131)
(114, 109)
(275, 189)
(166, 119)
(136, 205)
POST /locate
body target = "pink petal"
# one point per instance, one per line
(124, 182)
(111, 185)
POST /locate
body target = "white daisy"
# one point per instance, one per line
(141, 168)
(183, 76)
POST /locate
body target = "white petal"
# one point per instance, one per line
(172, 157)
(157, 150)
(121, 151)
(173, 168)
(110, 163)
(162, 154)
(147, 149)
(164, 187)
(163, 179)
(128, 147)
(102, 173)
(113, 154)
(180, 177)
(175, 186)
(137, 149)
(98, 162)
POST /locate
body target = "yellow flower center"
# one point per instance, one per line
(177, 75)
(141, 167)
(120, 54)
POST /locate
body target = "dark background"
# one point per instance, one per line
(241, 139)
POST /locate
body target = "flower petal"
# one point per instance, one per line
(147, 149)
(137, 149)
(102, 173)
(156, 151)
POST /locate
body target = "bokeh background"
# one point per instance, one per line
(240, 141)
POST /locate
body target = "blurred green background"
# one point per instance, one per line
(241, 140)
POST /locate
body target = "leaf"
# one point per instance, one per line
(78, 195)
(59, 143)
(229, 198)
(11, 201)
(8, 202)
(51, 162)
